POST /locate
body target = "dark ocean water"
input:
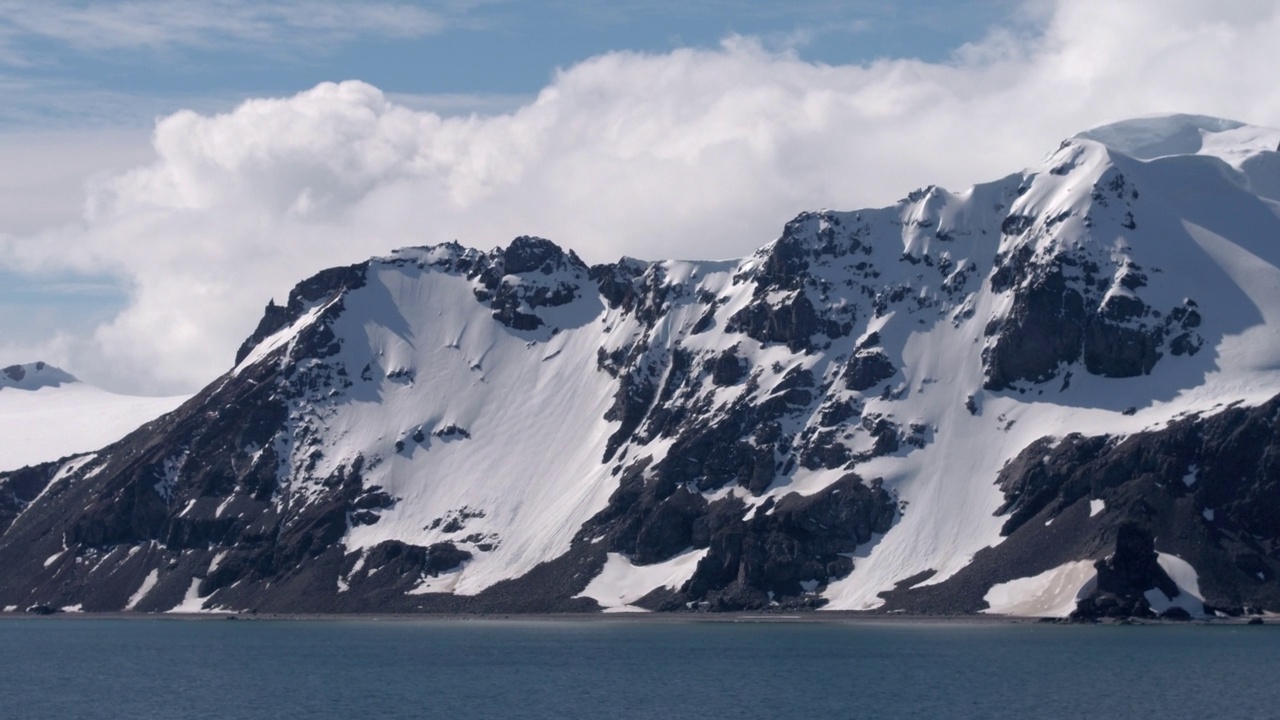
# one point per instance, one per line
(176, 670)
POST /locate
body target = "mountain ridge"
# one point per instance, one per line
(857, 416)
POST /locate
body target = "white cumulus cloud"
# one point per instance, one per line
(691, 153)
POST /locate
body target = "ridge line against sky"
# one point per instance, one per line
(140, 258)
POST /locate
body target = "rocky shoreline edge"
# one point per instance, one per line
(826, 617)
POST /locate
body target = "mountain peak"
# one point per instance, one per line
(1149, 138)
(33, 376)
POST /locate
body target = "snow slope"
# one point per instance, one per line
(48, 414)
(532, 413)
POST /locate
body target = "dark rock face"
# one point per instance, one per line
(1125, 576)
(867, 369)
(793, 320)
(1077, 306)
(316, 289)
(526, 254)
(728, 368)
(793, 323)
(786, 262)
(804, 540)
(409, 563)
(771, 556)
(630, 406)
(1043, 331)
(669, 528)
(531, 273)
(1030, 484)
(662, 396)
(782, 552)
(19, 488)
(637, 288)
(1234, 458)
(1114, 351)
(1054, 323)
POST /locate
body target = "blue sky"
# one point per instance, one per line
(89, 64)
(166, 167)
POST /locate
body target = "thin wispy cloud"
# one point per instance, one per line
(175, 24)
(805, 35)
(47, 104)
(21, 292)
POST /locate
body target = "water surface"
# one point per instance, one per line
(180, 670)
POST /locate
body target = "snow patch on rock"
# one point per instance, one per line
(621, 583)
(1052, 593)
(1187, 579)
(148, 583)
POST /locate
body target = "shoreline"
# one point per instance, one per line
(834, 617)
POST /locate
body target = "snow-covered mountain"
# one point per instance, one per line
(47, 414)
(1056, 391)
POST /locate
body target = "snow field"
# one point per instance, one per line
(53, 422)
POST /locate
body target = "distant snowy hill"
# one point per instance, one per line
(47, 414)
(1056, 392)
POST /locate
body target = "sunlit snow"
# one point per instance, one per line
(148, 583)
(1187, 579)
(620, 583)
(1052, 593)
(191, 602)
(54, 421)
